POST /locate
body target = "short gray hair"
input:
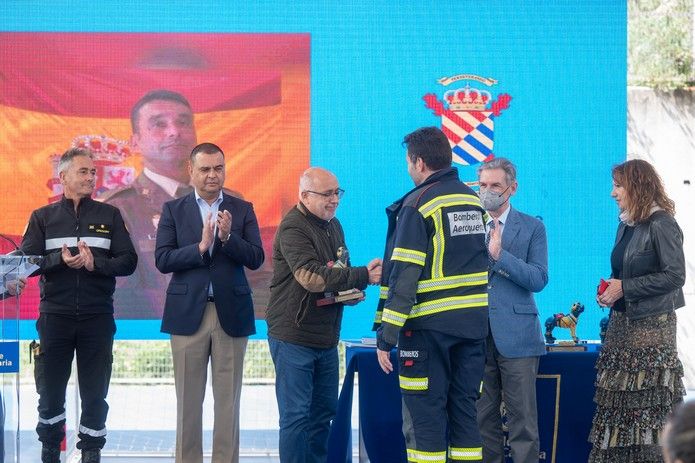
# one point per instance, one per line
(305, 180)
(500, 163)
(69, 155)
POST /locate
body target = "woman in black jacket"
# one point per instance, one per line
(639, 375)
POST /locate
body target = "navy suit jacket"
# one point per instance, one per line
(178, 234)
(521, 270)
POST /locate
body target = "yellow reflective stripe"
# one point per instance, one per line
(377, 317)
(384, 291)
(438, 246)
(439, 202)
(418, 456)
(457, 281)
(413, 384)
(448, 303)
(466, 454)
(408, 255)
(393, 317)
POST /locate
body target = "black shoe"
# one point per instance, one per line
(50, 455)
(91, 456)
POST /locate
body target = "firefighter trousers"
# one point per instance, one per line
(90, 338)
(440, 377)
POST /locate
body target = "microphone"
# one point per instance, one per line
(16, 252)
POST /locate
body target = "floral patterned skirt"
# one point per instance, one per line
(638, 382)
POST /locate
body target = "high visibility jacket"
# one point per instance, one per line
(435, 263)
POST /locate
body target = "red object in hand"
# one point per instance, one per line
(603, 284)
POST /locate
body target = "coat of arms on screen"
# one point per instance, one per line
(468, 115)
(108, 153)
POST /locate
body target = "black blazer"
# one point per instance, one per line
(178, 234)
(653, 267)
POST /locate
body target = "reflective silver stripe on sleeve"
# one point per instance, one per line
(94, 242)
(71, 242)
(57, 243)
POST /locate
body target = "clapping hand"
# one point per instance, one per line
(224, 225)
(495, 245)
(207, 235)
(75, 262)
(87, 256)
(83, 258)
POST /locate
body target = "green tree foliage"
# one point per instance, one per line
(660, 43)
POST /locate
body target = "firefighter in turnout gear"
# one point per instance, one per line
(84, 245)
(433, 304)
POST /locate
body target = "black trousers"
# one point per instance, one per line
(90, 337)
(440, 377)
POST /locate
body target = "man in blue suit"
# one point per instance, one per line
(518, 252)
(205, 239)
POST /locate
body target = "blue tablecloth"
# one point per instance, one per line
(565, 390)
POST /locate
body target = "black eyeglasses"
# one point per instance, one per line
(339, 193)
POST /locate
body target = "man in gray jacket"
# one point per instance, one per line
(518, 252)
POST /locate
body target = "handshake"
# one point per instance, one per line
(354, 296)
(374, 269)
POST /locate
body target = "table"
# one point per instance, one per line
(565, 390)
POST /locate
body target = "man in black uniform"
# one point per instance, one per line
(434, 304)
(85, 246)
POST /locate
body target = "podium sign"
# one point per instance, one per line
(9, 356)
(12, 267)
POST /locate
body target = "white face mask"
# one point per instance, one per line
(492, 200)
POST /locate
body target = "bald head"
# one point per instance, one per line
(313, 176)
(319, 192)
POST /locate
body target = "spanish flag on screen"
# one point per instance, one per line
(249, 94)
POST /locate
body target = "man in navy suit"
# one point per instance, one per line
(205, 239)
(518, 253)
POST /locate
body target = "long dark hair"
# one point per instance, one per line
(643, 187)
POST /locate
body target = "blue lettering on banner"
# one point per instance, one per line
(9, 357)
